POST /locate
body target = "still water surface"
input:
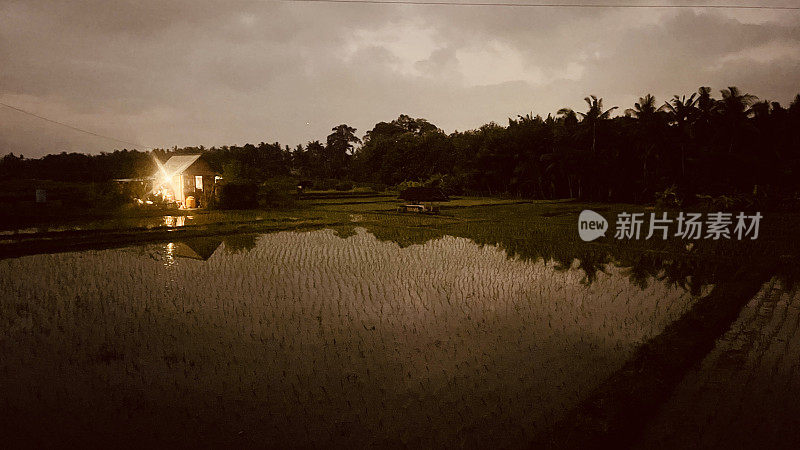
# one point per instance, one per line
(309, 338)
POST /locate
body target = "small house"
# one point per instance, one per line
(187, 180)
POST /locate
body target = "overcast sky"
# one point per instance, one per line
(197, 72)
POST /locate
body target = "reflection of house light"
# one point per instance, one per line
(170, 256)
(174, 221)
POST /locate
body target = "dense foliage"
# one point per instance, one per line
(688, 146)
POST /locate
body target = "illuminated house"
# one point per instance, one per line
(187, 180)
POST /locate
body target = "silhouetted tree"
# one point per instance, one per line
(693, 144)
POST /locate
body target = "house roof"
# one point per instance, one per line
(179, 163)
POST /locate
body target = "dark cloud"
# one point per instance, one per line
(212, 73)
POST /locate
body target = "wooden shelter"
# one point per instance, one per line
(187, 180)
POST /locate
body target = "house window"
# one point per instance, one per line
(198, 182)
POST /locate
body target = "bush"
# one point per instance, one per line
(734, 202)
(343, 186)
(237, 196)
(277, 192)
(668, 198)
(422, 194)
(363, 186)
(408, 184)
(449, 184)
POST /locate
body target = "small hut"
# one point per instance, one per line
(187, 180)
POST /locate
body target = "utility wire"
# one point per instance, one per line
(76, 128)
(547, 5)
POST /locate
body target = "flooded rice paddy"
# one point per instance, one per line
(312, 339)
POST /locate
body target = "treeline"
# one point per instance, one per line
(690, 145)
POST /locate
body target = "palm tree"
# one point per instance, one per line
(734, 103)
(648, 130)
(681, 112)
(594, 115)
(735, 108)
(645, 109)
(680, 109)
(761, 110)
(569, 116)
(706, 105)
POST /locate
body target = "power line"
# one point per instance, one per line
(76, 128)
(548, 5)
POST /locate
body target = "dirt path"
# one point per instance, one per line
(745, 393)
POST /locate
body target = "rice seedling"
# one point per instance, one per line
(312, 339)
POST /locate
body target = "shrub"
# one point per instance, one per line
(422, 194)
(734, 202)
(343, 186)
(668, 198)
(239, 195)
(277, 192)
(453, 184)
(408, 184)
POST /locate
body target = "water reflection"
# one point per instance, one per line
(238, 243)
(199, 249)
(418, 343)
(175, 221)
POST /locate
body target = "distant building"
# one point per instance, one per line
(187, 180)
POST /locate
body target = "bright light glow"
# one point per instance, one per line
(165, 179)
